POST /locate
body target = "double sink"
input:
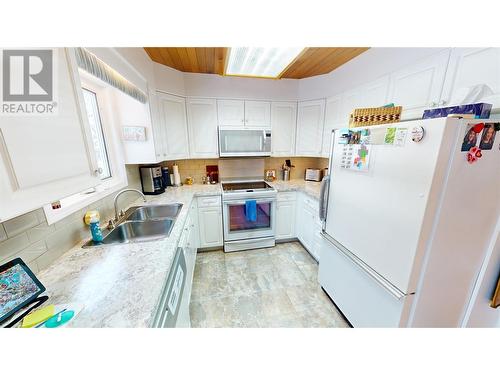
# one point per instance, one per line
(141, 224)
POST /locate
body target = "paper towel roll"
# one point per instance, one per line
(177, 176)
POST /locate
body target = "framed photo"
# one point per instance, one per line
(270, 174)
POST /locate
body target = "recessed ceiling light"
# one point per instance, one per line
(259, 61)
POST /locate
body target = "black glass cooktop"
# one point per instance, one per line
(251, 185)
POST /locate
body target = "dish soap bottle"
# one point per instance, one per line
(92, 218)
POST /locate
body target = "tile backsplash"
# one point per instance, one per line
(30, 237)
(196, 167)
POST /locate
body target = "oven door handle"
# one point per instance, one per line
(263, 200)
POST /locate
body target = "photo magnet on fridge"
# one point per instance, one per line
(470, 138)
(487, 137)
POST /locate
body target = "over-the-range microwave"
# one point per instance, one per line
(239, 141)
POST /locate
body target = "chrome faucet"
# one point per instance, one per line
(120, 193)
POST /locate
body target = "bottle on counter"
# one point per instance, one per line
(92, 218)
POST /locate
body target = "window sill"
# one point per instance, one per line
(81, 200)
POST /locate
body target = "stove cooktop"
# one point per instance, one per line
(246, 186)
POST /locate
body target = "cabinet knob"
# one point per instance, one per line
(98, 171)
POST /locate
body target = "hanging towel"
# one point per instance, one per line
(251, 210)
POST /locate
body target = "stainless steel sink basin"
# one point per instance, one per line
(139, 231)
(142, 224)
(154, 212)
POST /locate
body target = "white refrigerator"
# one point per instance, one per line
(408, 212)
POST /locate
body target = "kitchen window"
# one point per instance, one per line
(98, 100)
(97, 133)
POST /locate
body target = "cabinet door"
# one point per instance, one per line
(231, 112)
(310, 119)
(283, 122)
(469, 67)
(332, 121)
(374, 94)
(308, 228)
(202, 125)
(195, 233)
(157, 126)
(351, 100)
(210, 223)
(46, 158)
(173, 121)
(257, 114)
(419, 86)
(285, 220)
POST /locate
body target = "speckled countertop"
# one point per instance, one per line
(120, 285)
(311, 188)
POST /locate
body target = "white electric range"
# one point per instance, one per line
(244, 230)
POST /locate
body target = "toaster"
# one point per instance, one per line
(313, 174)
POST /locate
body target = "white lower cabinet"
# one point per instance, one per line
(210, 221)
(309, 224)
(285, 215)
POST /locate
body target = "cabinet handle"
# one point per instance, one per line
(97, 171)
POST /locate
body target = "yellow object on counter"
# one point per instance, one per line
(91, 214)
(38, 316)
(189, 180)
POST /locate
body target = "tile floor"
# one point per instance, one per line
(274, 287)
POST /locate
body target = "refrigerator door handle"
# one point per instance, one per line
(383, 282)
(325, 183)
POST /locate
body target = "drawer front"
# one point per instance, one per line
(212, 201)
(287, 196)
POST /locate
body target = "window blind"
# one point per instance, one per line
(90, 63)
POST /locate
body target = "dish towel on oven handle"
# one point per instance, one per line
(251, 210)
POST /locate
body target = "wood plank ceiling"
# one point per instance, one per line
(311, 62)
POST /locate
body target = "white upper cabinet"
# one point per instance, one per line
(351, 100)
(419, 86)
(469, 67)
(246, 113)
(375, 93)
(202, 125)
(46, 158)
(257, 114)
(231, 112)
(332, 121)
(310, 119)
(283, 122)
(173, 125)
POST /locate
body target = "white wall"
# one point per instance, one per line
(364, 68)
(131, 63)
(168, 79)
(213, 85)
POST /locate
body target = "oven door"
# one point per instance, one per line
(238, 227)
(244, 142)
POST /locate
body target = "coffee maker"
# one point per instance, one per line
(151, 180)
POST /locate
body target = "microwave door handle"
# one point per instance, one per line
(262, 140)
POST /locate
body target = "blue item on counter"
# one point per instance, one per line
(251, 210)
(479, 110)
(165, 176)
(95, 229)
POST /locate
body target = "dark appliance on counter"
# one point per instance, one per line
(165, 177)
(151, 179)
